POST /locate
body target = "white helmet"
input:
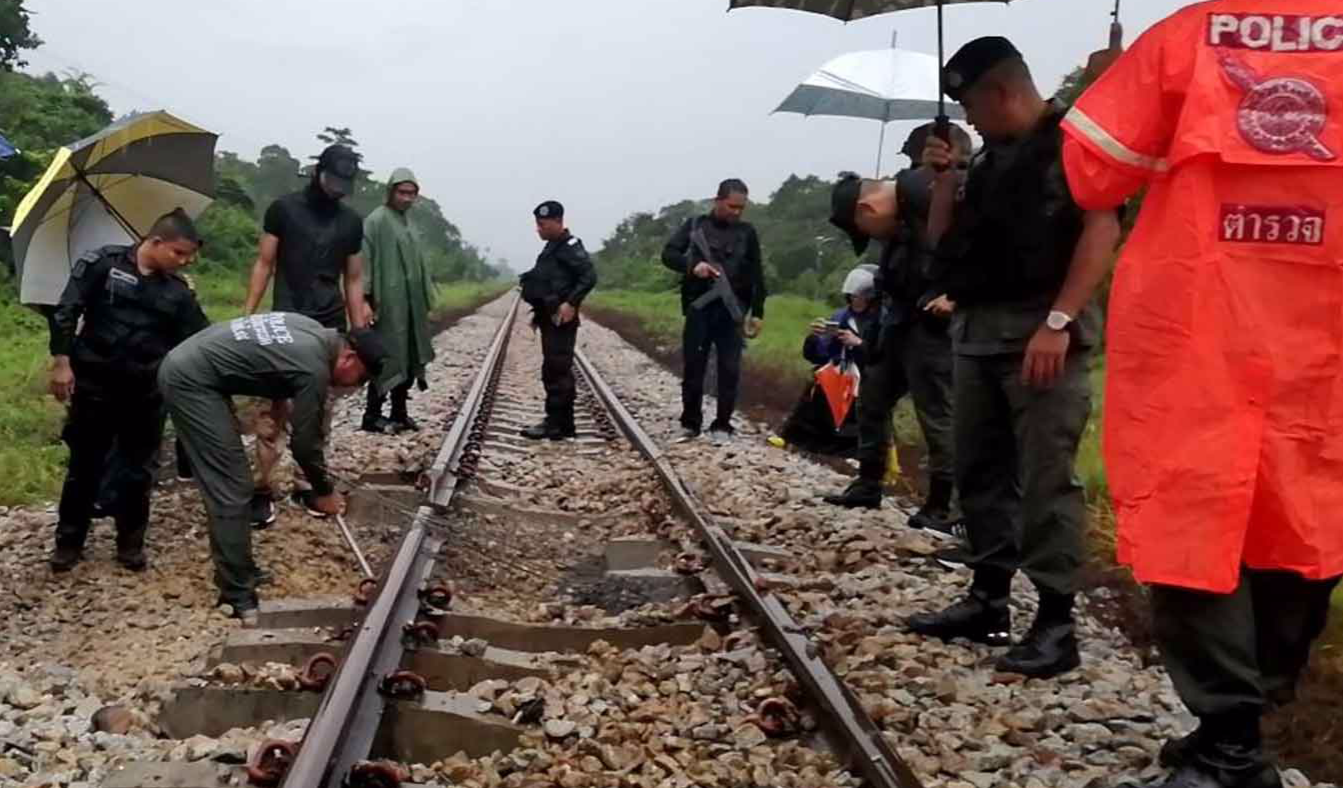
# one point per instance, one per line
(859, 282)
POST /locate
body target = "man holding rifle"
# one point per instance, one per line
(722, 298)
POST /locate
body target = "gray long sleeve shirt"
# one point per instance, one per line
(277, 355)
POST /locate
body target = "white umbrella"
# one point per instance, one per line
(879, 84)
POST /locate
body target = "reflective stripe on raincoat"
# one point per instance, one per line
(1224, 396)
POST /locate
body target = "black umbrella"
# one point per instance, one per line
(849, 10)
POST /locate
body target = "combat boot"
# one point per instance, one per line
(935, 514)
(860, 494)
(377, 424)
(1050, 646)
(980, 617)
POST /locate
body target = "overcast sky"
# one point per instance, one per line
(610, 106)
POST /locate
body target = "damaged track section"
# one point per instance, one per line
(370, 706)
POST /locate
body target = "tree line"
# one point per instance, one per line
(39, 114)
(803, 254)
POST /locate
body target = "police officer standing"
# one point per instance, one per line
(1223, 367)
(555, 288)
(722, 279)
(1021, 264)
(135, 308)
(279, 356)
(912, 346)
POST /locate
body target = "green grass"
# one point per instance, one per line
(459, 295)
(32, 456)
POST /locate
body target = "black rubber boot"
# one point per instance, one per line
(1050, 646)
(401, 419)
(982, 617)
(860, 494)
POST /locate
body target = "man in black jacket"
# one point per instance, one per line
(135, 308)
(722, 297)
(911, 352)
(555, 288)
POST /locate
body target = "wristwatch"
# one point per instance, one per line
(1058, 321)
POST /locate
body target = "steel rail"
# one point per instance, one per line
(343, 729)
(866, 748)
(445, 471)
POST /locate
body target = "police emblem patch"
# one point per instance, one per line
(543, 211)
(1278, 115)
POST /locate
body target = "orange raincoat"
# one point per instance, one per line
(1224, 393)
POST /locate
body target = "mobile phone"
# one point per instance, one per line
(831, 327)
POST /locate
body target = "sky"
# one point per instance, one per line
(610, 106)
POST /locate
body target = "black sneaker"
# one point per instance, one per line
(404, 423)
(954, 557)
(860, 494)
(947, 530)
(378, 425)
(933, 518)
(547, 431)
(63, 559)
(263, 511)
(973, 618)
(308, 500)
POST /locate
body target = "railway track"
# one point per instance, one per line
(385, 693)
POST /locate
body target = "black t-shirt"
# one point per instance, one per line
(317, 235)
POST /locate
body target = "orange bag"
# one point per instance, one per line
(839, 383)
(1223, 427)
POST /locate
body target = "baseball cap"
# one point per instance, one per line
(340, 164)
(974, 60)
(844, 206)
(550, 209)
(369, 347)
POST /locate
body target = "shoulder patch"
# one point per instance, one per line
(573, 241)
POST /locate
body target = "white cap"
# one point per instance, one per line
(859, 282)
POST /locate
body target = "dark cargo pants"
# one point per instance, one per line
(917, 361)
(710, 328)
(1016, 447)
(97, 421)
(557, 371)
(209, 432)
(1231, 656)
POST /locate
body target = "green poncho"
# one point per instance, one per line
(396, 281)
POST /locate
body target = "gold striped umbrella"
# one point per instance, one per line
(108, 189)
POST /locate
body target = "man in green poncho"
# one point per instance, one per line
(398, 290)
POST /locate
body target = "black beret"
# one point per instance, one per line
(549, 209)
(972, 61)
